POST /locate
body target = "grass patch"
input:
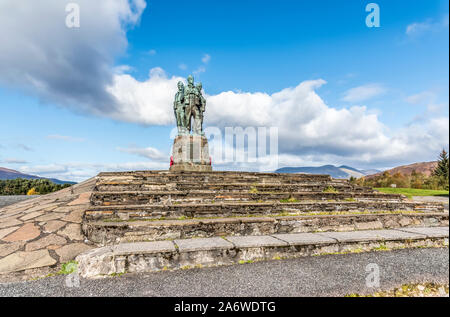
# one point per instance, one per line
(253, 190)
(246, 262)
(410, 290)
(68, 268)
(330, 189)
(289, 200)
(410, 192)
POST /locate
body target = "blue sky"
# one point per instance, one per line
(377, 97)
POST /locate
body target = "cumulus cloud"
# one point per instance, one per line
(81, 171)
(14, 161)
(420, 28)
(206, 58)
(66, 66)
(149, 152)
(23, 147)
(149, 102)
(363, 93)
(307, 127)
(429, 101)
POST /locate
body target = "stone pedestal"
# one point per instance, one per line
(191, 153)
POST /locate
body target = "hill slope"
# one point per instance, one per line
(426, 168)
(6, 173)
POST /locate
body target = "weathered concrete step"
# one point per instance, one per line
(154, 197)
(186, 253)
(166, 176)
(107, 232)
(226, 187)
(228, 209)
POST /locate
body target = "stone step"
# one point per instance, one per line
(205, 196)
(226, 187)
(167, 176)
(205, 252)
(108, 232)
(229, 209)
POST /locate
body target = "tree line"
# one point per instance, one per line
(438, 180)
(22, 186)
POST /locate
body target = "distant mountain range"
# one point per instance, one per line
(6, 173)
(342, 172)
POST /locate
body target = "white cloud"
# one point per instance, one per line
(149, 152)
(420, 28)
(308, 128)
(363, 93)
(149, 102)
(14, 161)
(199, 70)
(24, 147)
(81, 171)
(206, 58)
(415, 28)
(67, 66)
(429, 100)
(182, 66)
(151, 52)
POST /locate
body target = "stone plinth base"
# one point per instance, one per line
(190, 153)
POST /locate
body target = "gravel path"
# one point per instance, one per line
(331, 275)
(9, 200)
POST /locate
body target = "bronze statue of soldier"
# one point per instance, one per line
(179, 109)
(189, 102)
(198, 111)
(191, 99)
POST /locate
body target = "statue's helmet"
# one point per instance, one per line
(190, 79)
(180, 85)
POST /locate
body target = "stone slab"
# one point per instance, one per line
(8, 248)
(74, 216)
(203, 244)
(27, 232)
(5, 232)
(371, 235)
(9, 223)
(72, 231)
(144, 247)
(304, 238)
(430, 232)
(256, 241)
(81, 200)
(31, 215)
(53, 225)
(70, 251)
(49, 216)
(25, 260)
(51, 239)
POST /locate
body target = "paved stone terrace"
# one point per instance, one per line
(39, 234)
(189, 253)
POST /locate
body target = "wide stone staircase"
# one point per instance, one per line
(153, 220)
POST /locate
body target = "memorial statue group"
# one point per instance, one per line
(189, 102)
